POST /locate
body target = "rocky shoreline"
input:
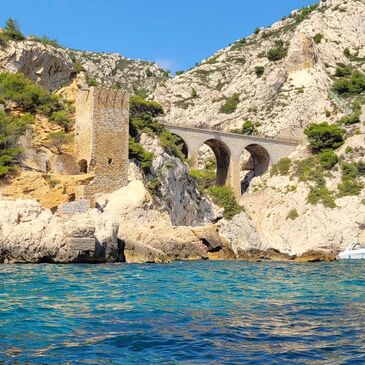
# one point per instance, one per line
(32, 234)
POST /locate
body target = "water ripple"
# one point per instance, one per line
(183, 313)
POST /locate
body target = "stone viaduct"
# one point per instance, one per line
(228, 148)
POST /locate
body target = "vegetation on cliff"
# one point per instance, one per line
(32, 98)
(10, 128)
(224, 197)
(11, 32)
(18, 93)
(143, 119)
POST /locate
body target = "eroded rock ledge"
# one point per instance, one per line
(126, 230)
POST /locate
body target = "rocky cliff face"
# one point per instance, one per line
(56, 67)
(135, 76)
(48, 66)
(176, 192)
(280, 76)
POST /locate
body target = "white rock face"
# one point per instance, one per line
(29, 233)
(50, 67)
(291, 93)
(115, 70)
(313, 227)
(241, 234)
(177, 192)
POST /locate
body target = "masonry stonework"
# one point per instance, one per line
(102, 133)
(228, 148)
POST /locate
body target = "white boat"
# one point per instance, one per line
(353, 252)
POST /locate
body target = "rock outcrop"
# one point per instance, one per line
(177, 192)
(32, 234)
(48, 66)
(280, 95)
(162, 216)
(113, 69)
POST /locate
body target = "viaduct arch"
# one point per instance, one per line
(228, 148)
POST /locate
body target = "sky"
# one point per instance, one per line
(175, 34)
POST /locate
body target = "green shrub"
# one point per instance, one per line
(136, 151)
(62, 118)
(52, 182)
(310, 171)
(349, 187)
(224, 197)
(139, 106)
(350, 184)
(305, 169)
(349, 170)
(282, 167)
(293, 214)
(231, 104)
(328, 159)
(194, 93)
(154, 185)
(142, 116)
(248, 128)
(354, 85)
(343, 71)
(91, 81)
(11, 127)
(257, 30)
(259, 70)
(239, 44)
(172, 144)
(350, 119)
(304, 13)
(28, 96)
(318, 38)
(149, 73)
(277, 53)
(47, 41)
(77, 66)
(321, 194)
(324, 136)
(347, 52)
(204, 178)
(11, 31)
(178, 73)
(58, 140)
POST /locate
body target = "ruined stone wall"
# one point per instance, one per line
(84, 124)
(102, 133)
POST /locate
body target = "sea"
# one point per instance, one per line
(183, 313)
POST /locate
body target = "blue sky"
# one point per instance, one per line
(176, 34)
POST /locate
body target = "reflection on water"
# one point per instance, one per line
(188, 313)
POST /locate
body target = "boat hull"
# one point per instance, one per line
(352, 255)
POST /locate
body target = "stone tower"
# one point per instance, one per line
(102, 132)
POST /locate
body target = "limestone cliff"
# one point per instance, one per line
(280, 76)
(56, 67)
(135, 76)
(49, 66)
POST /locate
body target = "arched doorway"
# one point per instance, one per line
(82, 166)
(255, 161)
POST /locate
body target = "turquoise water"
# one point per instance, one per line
(183, 313)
